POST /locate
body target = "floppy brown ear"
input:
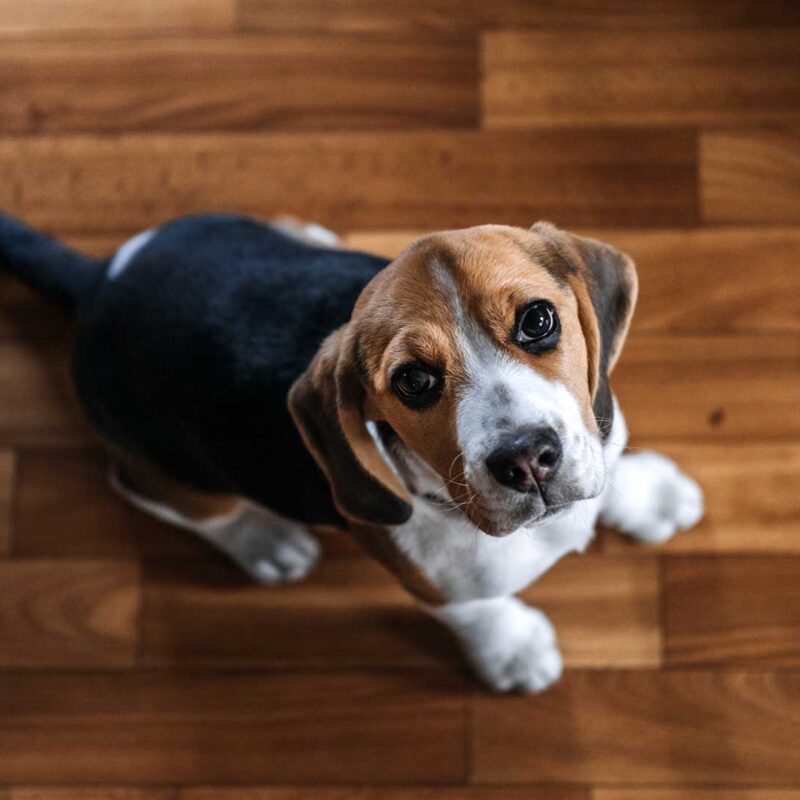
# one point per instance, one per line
(327, 404)
(605, 279)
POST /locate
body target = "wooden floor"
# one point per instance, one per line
(136, 665)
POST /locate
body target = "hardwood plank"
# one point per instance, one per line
(750, 175)
(644, 727)
(352, 613)
(691, 279)
(658, 77)
(375, 793)
(61, 17)
(693, 793)
(353, 180)
(146, 728)
(752, 499)
(8, 471)
(37, 403)
(65, 508)
(349, 613)
(743, 610)
(68, 614)
(422, 17)
(605, 610)
(333, 82)
(90, 793)
(712, 387)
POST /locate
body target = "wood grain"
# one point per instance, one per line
(711, 388)
(690, 77)
(65, 508)
(605, 610)
(750, 175)
(708, 727)
(689, 279)
(86, 183)
(57, 18)
(149, 728)
(71, 614)
(280, 82)
(423, 17)
(90, 793)
(693, 793)
(36, 399)
(393, 793)
(732, 611)
(8, 470)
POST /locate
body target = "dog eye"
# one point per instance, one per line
(538, 326)
(417, 385)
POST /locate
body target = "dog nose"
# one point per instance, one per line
(528, 459)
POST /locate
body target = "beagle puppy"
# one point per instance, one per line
(451, 409)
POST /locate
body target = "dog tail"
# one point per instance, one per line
(62, 275)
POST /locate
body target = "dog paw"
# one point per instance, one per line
(270, 552)
(529, 662)
(651, 499)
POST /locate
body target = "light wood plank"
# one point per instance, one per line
(150, 728)
(68, 614)
(750, 176)
(693, 793)
(713, 388)
(732, 611)
(644, 727)
(237, 83)
(691, 279)
(64, 17)
(605, 610)
(590, 77)
(354, 180)
(8, 471)
(752, 498)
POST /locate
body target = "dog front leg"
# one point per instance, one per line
(511, 646)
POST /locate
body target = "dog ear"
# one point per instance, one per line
(327, 404)
(605, 284)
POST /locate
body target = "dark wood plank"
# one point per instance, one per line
(693, 793)
(237, 83)
(68, 614)
(352, 613)
(65, 508)
(644, 727)
(58, 18)
(752, 499)
(146, 728)
(605, 610)
(732, 610)
(90, 793)
(37, 403)
(393, 793)
(349, 613)
(690, 279)
(423, 17)
(8, 470)
(710, 387)
(750, 175)
(590, 77)
(355, 180)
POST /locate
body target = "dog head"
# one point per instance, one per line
(486, 353)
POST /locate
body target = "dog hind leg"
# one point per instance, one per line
(268, 547)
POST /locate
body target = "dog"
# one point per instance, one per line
(450, 408)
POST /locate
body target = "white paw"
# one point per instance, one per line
(528, 661)
(271, 550)
(651, 499)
